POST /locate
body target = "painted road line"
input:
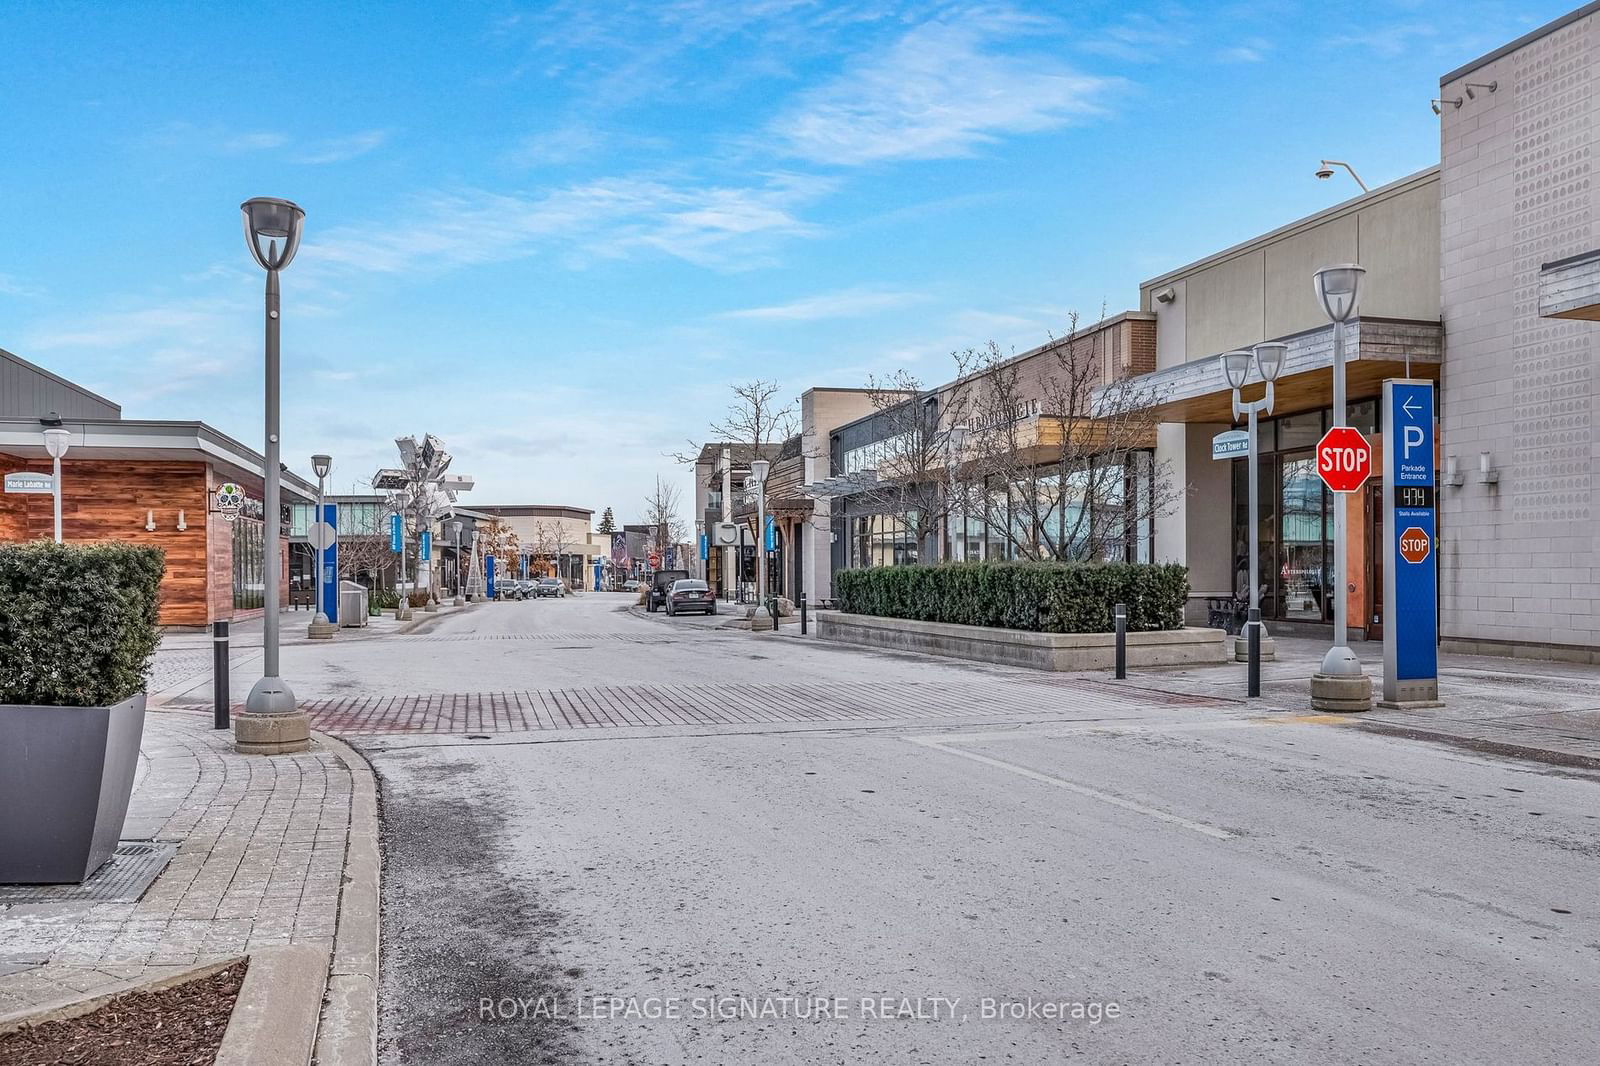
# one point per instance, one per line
(943, 744)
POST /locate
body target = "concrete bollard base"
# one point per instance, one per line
(1241, 649)
(1341, 695)
(271, 734)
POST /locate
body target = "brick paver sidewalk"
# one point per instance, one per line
(261, 857)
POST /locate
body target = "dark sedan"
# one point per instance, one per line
(690, 594)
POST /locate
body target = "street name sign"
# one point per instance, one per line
(25, 482)
(1232, 444)
(1410, 564)
(1344, 459)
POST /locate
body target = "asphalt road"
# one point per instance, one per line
(1177, 883)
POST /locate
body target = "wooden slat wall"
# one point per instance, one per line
(107, 500)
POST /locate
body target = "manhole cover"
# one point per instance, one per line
(122, 879)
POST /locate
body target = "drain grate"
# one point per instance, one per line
(122, 879)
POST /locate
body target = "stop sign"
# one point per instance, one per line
(1415, 544)
(1344, 459)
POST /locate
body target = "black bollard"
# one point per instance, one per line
(1255, 651)
(1120, 612)
(220, 718)
(802, 614)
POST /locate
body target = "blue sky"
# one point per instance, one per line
(552, 234)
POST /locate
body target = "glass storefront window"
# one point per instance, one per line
(249, 581)
(1299, 431)
(1303, 579)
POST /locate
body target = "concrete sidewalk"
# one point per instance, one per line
(277, 859)
(1520, 707)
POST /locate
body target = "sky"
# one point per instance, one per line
(553, 234)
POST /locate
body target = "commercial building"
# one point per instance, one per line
(1481, 274)
(553, 540)
(182, 487)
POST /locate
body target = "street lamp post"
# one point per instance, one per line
(1268, 361)
(758, 471)
(271, 723)
(1342, 681)
(320, 627)
(56, 442)
(455, 533)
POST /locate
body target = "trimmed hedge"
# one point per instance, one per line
(1044, 597)
(78, 622)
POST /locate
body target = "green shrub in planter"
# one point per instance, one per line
(1046, 597)
(78, 622)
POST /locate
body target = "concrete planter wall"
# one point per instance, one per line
(1017, 647)
(65, 777)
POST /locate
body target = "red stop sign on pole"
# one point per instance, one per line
(1344, 459)
(1415, 544)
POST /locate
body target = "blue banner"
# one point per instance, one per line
(427, 545)
(328, 579)
(1411, 581)
(705, 547)
(772, 534)
(396, 533)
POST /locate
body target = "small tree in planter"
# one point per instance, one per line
(78, 625)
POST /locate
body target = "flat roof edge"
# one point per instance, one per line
(1522, 42)
(1382, 192)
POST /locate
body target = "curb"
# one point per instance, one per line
(1481, 745)
(348, 1030)
(67, 1009)
(274, 1020)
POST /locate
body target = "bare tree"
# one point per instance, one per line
(1059, 447)
(911, 472)
(661, 515)
(499, 540)
(756, 417)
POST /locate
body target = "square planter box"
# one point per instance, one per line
(65, 777)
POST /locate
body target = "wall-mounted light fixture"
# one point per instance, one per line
(183, 522)
(1166, 295)
(1490, 86)
(1325, 171)
(1487, 474)
(150, 521)
(1438, 105)
(1452, 475)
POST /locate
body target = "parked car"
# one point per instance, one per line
(529, 587)
(509, 589)
(690, 594)
(550, 586)
(656, 597)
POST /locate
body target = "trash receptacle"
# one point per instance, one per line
(352, 605)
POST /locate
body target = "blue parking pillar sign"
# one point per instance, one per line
(396, 534)
(328, 580)
(427, 545)
(488, 580)
(1411, 550)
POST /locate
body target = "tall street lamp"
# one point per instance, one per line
(56, 442)
(758, 471)
(455, 534)
(1268, 361)
(320, 627)
(1339, 291)
(271, 723)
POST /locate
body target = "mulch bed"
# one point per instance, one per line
(178, 1026)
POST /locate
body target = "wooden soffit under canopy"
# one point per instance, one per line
(1375, 349)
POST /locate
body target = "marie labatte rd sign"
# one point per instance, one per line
(1344, 459)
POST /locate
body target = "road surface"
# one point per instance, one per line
(672, 844)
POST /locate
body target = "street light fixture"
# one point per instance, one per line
(1338, 290)
(455, 534)
(1267, 358)
(56, 442)
(271, 723)
(320, 465)
(758, 471)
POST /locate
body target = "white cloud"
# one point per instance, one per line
(1253, 50)
(339, 149)
(940, 91)
(10, 285)
(260, 141)
(846, 303)
(609, 218)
